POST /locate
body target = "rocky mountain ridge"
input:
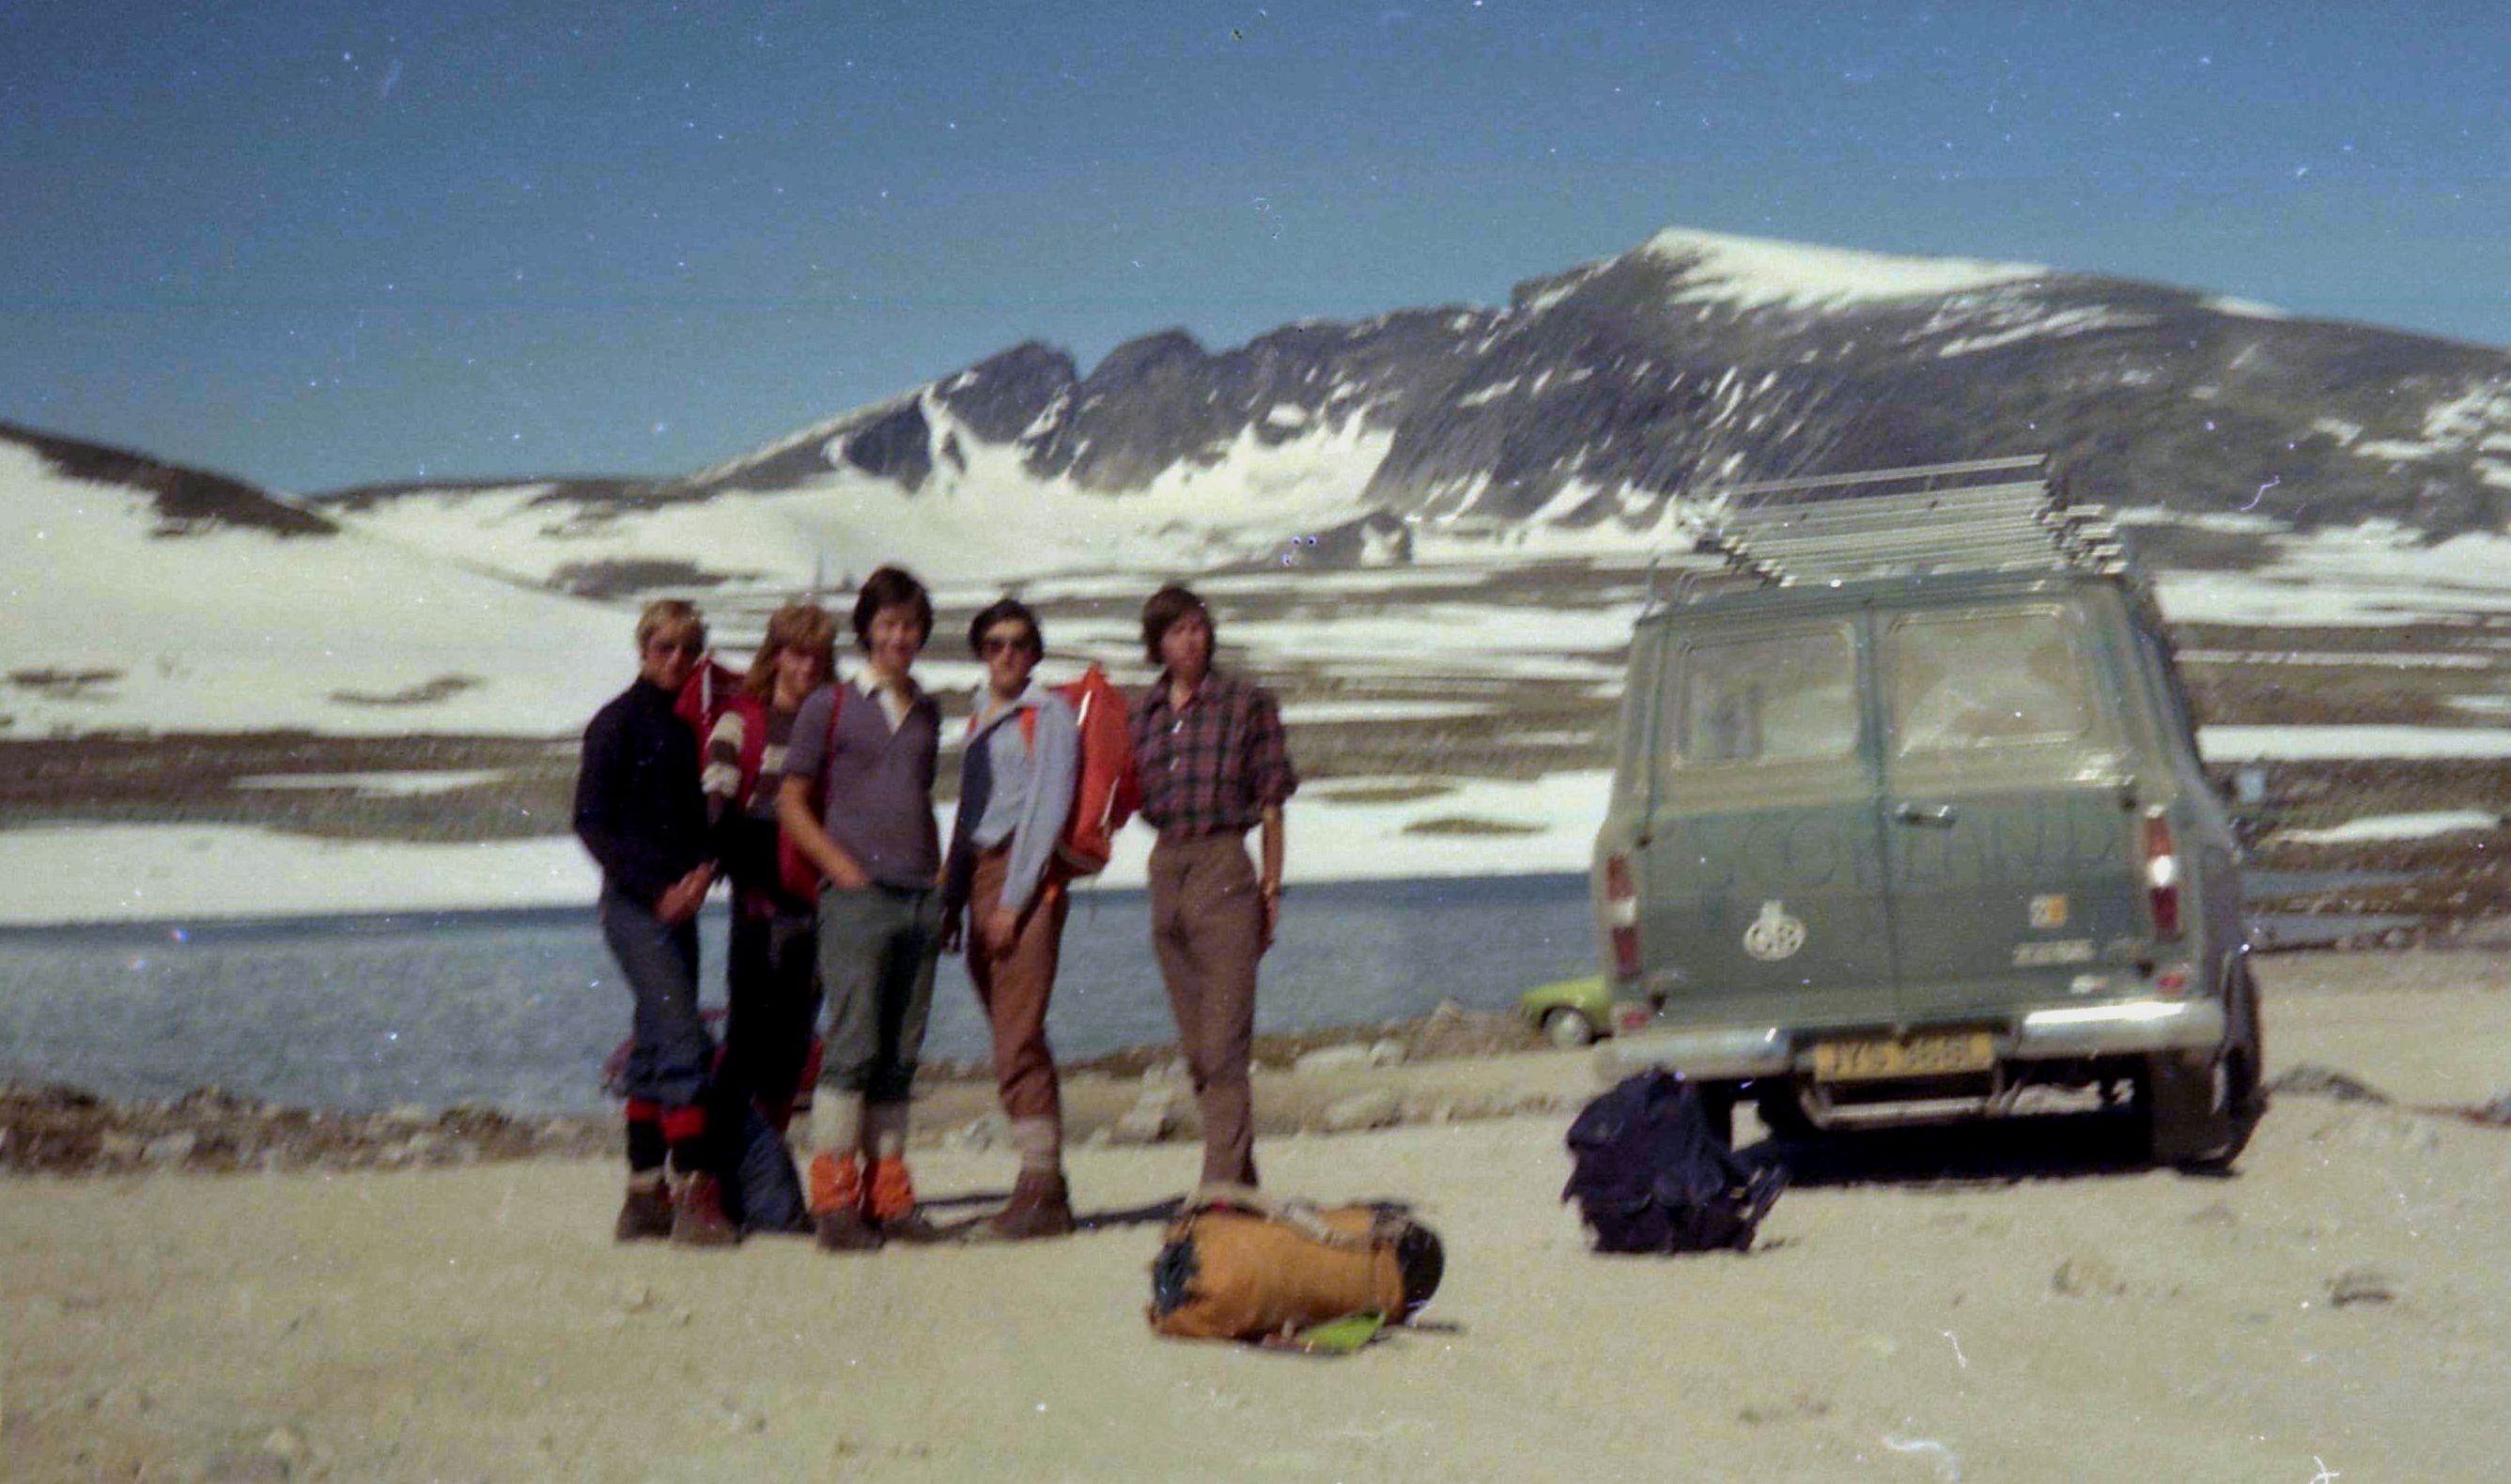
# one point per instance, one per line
(1598, 398)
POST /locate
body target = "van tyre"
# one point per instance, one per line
(1783, 1111)
(2176, 1099)
(2200, 1109)
(2245, 1058)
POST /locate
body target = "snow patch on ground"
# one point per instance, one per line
(377, 786)
(2377, 573)
(2035, 325)
(2414, 826)
(2479, 417)
(2231, 522)
(2336, 658)
(170, 872)
(1324, 711)
(1443, 632)
(983, 517)
(2235, 743)
(233, 629)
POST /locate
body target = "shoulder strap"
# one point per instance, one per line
(1299, 1216)
(1028, 724)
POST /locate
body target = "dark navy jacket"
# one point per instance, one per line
(638, 806)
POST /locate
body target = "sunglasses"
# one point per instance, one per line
(690, 647)
(994, 644)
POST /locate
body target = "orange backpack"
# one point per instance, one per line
(1105, 788)
(1240, 1265)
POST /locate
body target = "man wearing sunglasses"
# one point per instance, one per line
(1015, 780)
(638, 808)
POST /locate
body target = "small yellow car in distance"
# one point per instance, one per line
(1577, 1012)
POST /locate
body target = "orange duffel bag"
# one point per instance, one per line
(1239, 1264)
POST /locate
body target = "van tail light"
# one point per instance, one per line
(1622, 916)
(2162, 875)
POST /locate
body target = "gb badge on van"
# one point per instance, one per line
(1775, 935)
(2049, 911)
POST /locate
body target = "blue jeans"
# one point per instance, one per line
(671, 1055)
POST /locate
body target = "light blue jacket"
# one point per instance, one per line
(1010, 789)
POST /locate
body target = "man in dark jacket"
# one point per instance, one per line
(639, 811)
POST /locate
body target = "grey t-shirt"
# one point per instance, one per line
(879, 781)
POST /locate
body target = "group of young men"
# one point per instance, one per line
(813, 794)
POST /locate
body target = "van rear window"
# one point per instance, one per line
(1785, 698)
(1983, 680)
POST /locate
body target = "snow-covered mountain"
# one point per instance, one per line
(145, 596)
(1577, 416)
(2255, 453)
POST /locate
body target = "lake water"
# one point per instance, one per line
(517, 1009)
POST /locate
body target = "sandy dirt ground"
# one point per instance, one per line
(2023, 1303)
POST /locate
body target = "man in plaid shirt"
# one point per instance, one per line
(1214, 766)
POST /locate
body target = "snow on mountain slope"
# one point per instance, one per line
(1576, 419)
(114, 623)
(982, 516)
(1749, 271)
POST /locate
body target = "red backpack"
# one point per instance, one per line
(1105, 788)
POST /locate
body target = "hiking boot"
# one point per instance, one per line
(837, 1197)
(646, 1214)
(697, 1214)
(1040, 1206)
(893, 1207)
(844, 1229)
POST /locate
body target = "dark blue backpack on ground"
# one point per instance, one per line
(761, 1189)
(1650, 1175)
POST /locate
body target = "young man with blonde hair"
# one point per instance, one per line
(639, 811)
(1214, 765)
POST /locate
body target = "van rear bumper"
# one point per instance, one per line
(2105, 1029)
(2130, 1027)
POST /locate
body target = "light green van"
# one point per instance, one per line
(1908, 821)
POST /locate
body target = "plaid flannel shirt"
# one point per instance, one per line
(1216, 764)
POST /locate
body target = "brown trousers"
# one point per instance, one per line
(1207, 928)
(1015, 985)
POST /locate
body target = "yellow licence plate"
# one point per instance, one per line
(1925, 1054)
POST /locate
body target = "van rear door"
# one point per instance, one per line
(2010, 844)
(1761, 890)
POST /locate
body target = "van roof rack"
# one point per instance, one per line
(1980, 515)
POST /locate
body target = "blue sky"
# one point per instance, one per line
(316, 244)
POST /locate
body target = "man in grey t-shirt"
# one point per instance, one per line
(870, 743)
